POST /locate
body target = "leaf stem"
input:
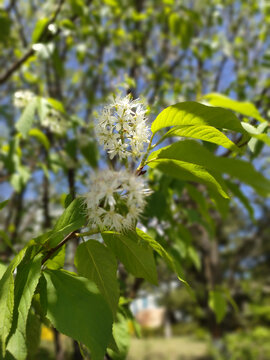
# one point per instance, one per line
(143, 162)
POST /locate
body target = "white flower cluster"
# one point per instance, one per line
(122, 128)
(54, 122)
(21, 98)
(115, 200)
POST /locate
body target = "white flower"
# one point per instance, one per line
(122, 128)
(21, 98)
(115, 200)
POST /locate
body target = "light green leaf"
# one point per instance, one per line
(203, 132)
(39, 28)
(58, 260)
(42, 138)
(3, 269)
(156, 246)
(57, 105)
(244, 108)
(134, 254)
(217, 302)
(193, 113)
(257, 134)
(194, 257)
(76, 308)
(193, 152)
(7, 299)
(26, 281)
(73, 218)
(97, 263)
(121, 335)
(190, 172)
(33, 334)
(27, 117)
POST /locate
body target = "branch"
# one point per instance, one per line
(53, 250)
(30, 52)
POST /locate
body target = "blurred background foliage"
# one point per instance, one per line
(74, 54)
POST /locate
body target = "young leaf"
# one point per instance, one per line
(27, 118)
(218, 304)
(41, 137)
(25, 284)
(96, 262)
(73, 218)
(135, 255)
(76, 308)
(7, 299)
(205, 133)
(121, 335)
(39, 28)
(245, 108)
(193, 113)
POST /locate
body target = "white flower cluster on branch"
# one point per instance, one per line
(21, 98)
(122, 128)
(116, 199)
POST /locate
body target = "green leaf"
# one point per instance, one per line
(25, 284)
(122, 337)
(244, 108)
(3, 204)
(73, 218)
(235, 189)
(257, 134)
(203, 132)
(134, 254)
(217, 302)
(156, 246)
(33, 333)
(58, 260)
(90, 153)
(192, 152)
(76, 308)
(57, 105)
(39, 28)
(194, 257)
(42, 138)
(26, 119)
(3, 269)
(7, 299)
(193, 113)
(96, 262)
(190, 172)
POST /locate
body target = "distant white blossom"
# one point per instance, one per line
(122, 128)
(54, 122)
(115, 200)
(21, 98)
